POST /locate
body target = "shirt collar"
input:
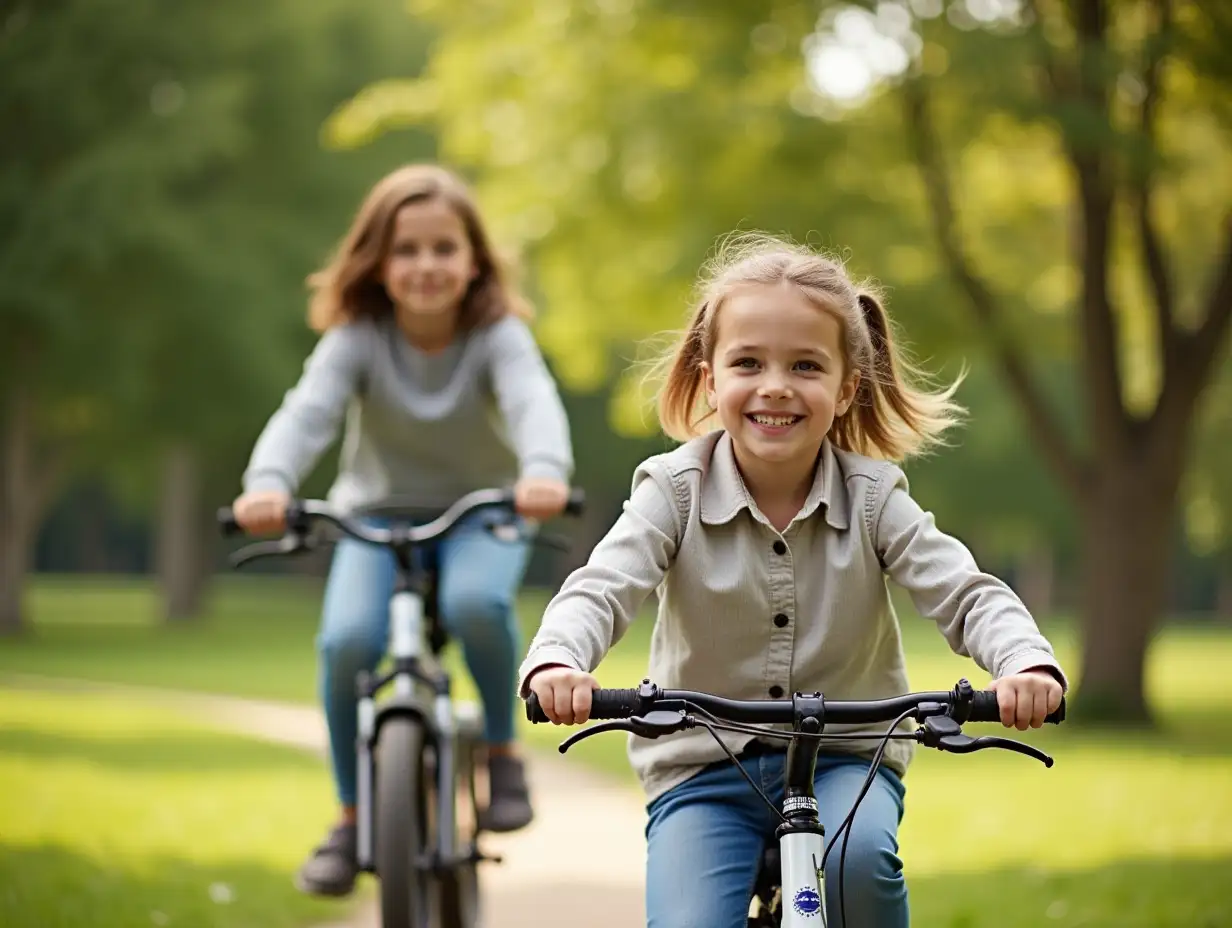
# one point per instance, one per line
(724, 494)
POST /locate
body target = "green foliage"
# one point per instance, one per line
(163, 197)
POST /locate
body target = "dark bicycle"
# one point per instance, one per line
(790, 887)
(417, 747)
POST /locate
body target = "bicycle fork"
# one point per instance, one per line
(406, 635)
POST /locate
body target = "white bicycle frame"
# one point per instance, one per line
(803, 884)
(407, 638)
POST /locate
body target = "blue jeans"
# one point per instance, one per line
(705, 839)
(479, 580)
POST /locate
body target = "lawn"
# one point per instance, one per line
(116, 814)
(1125, 830)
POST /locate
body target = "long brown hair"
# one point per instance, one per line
(893, 416)
(349, 287)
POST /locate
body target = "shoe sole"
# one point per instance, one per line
(327, 892)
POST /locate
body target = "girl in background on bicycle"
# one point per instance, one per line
(425, 350)
(768, 535)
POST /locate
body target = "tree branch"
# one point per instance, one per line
(1196, 354)
(1142, 190)
(1204, 345)
(1096, 193)
(1042, 423)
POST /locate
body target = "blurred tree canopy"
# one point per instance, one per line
(1045, 184)
(163, 193)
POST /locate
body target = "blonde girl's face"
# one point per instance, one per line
(777, 376)
(430, 262)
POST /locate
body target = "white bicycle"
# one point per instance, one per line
(790, 888)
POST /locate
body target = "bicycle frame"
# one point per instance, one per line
(421, 692)
(802, 836)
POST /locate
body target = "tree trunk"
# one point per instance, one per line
(1036, 580)
(1223, 598)
(180, 553)
(1127, 545)
(16, 509)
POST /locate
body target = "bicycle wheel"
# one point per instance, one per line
(401, 800)
(460, 887)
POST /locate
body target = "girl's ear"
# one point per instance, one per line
(712, 396)
(847, 394)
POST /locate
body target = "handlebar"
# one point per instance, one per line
(963, 704)
(301, 514)
(651, 713)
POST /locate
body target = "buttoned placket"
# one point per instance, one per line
(780, 622)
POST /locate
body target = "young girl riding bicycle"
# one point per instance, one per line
(425, 352)
(767, 536)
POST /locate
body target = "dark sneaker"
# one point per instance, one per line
(509, 803)
(332, 868)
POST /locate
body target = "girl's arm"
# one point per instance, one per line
(529, 402)
(597, 602)
(979, 615)
(307, 422)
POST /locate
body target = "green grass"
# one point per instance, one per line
(1125, 830)
(115, 814)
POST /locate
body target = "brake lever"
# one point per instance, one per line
(652, 725)
(946, 734)
(288, 544)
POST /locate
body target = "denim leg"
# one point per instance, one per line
(479, 579)
(876, 893)
(354, 631)
(704, 841)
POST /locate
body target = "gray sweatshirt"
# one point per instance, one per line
(425, 428)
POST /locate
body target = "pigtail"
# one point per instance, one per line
(681, 396)
(895, 413)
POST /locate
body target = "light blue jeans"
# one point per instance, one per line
(479, 580)
(705, 839)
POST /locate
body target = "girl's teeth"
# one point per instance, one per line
(774, 420)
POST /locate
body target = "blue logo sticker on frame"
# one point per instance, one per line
(807, 902)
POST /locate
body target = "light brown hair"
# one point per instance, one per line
(349, 286)
(894, 415)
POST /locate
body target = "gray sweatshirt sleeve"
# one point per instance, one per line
(598, 601)
(978, 614)
(529, 402)
(311, 413)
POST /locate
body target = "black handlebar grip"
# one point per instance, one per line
(613, 704)
(577, 502)
(604, 704)
(534, 711)
(226, 521)
(984, 708)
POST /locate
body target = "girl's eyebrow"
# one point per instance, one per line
(749, 347)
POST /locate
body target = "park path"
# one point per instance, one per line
(579, 863)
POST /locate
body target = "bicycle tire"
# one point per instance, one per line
(459, 887)
(401, 800)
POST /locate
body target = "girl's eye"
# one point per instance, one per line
(446, 248)
(811, 366)
(746, 363)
